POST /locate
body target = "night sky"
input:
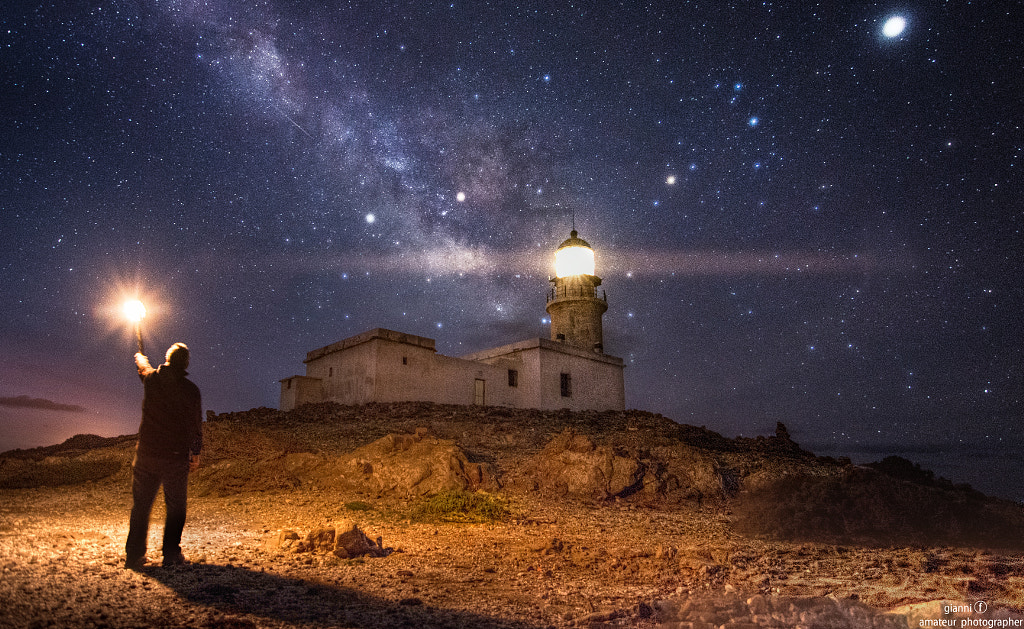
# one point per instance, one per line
(801, 213)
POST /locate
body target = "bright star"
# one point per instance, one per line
(370, 218)
(894, 26)
(753, 121)
(671, 180)
(460, 197)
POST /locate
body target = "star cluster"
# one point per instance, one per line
(801, 214)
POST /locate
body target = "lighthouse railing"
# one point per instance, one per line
(564, 292)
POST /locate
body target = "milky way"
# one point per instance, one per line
(797, 216)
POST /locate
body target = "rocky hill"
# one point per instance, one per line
(769, 486)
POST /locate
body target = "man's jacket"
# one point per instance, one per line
(172, 414)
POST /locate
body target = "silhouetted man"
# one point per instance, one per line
(170, 439)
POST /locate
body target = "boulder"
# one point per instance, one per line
(352, 542)
(409, 465)
(686, 472)
(320, 540)
(344, 540)
(284, 539)
(571, 464)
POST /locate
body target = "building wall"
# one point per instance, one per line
(386, 366)
(597, 379)
(526, 393)
(434, 377)
(298, 390)
(347, 375)
(596, 385)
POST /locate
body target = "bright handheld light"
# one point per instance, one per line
(135, 312)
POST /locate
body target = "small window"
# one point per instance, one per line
(405, 360)
(559, 337)
(289, 384)
(513, 378)
(566, 382)
(330, 371)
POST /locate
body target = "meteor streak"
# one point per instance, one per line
(291, 121)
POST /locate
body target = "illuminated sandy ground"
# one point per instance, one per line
(565, 564)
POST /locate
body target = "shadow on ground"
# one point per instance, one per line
(240, 591)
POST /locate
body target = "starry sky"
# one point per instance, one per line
(802, 212)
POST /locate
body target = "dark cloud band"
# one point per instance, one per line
(24, 401)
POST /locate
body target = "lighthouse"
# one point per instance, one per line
(574, 303)
(568, 371)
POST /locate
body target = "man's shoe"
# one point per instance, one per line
(175, 560)
(135, 563)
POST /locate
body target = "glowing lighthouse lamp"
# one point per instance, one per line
(574, 259)
(135, 312)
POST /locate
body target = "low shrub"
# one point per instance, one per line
(461, 506)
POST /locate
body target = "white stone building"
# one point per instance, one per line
(568, 371)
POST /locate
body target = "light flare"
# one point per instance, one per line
(134, 310)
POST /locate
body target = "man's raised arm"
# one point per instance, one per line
(142, 364)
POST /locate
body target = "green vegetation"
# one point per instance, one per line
(461, 506)
(358, 505)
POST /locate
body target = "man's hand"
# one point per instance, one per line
(193, 462)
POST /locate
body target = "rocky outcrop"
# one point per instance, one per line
(343, 540)
(572, 465)
(687, 473)
(861, 505)
(409, 465)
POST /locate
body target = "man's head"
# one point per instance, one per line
(177, 356)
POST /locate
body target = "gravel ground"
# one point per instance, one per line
(555, 564)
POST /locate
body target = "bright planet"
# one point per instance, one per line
(894, 26)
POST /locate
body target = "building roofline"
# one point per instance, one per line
(369, 335)
(428, 343)
(543, 344)
(298, 376)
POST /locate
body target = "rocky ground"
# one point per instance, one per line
(561, 558)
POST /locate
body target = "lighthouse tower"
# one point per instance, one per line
(574, 304)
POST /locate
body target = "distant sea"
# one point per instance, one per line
(996, 471)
